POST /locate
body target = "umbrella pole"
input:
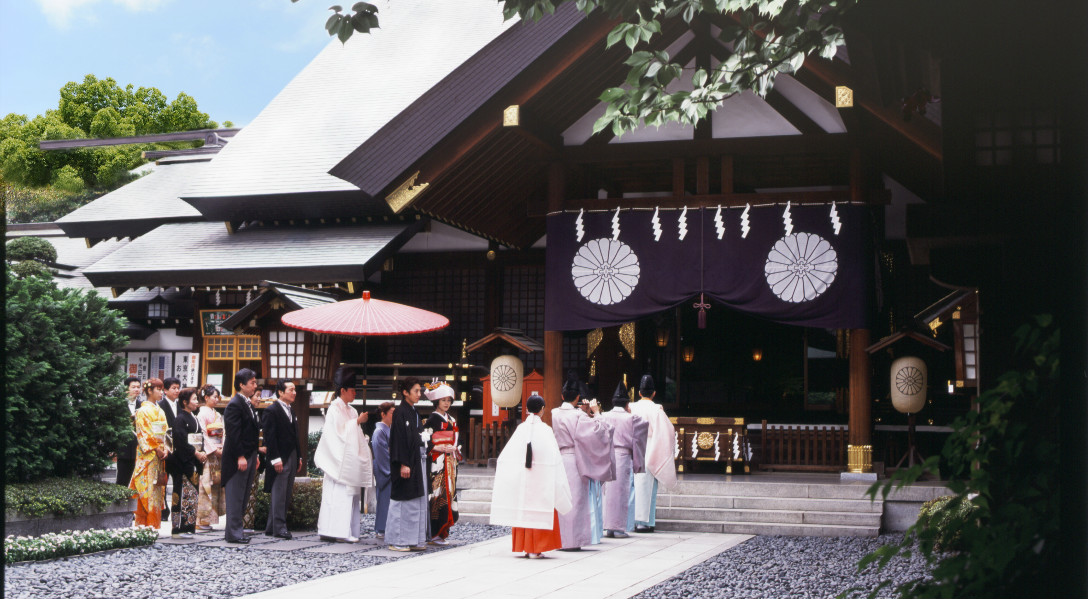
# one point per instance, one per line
(364, 372)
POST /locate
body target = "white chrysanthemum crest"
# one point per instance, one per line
(787, 220)
(719, 224)
(836, 223)
(744, 226)
(616, 225)
(683, 223)
(579, 226)
(656, 220)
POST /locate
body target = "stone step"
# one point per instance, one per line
(769, 503)
(769, 516)
(473, 494)
(768, 528)
(831, 490)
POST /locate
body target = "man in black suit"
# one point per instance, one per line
(169, 404)
(126, 454)
(241, 433)
(283, 457)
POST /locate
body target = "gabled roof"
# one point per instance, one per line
(138, 207)
(515, 337)
(348, 92)
(296, 298)
(194, 254)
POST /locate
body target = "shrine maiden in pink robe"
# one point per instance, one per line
(629, 433)
(660, 456)
(586, 446)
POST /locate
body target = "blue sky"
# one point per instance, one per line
(233, 56)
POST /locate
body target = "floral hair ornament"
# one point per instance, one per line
(436, 390)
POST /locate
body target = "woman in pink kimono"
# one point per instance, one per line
(211, 502)
(585, 443)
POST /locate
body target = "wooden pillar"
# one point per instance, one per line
(702, 175)
(727, 174)
(553, 340)
(860, 458)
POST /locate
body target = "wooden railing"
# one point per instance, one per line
(485, 442)
(816, 448)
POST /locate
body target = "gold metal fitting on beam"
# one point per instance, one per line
(844, 97)
(405, 193)
(511, 117)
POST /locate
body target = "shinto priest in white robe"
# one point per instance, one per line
(343, 454)
(529, 497)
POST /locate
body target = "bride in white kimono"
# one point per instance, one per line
(343, 454)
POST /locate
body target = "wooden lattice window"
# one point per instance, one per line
(219, 348)
(1017, 137)
(319, 356)
(286, 352)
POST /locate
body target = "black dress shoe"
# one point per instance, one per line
(285, 535)
(571, 549)
(644, 529)
(242, 541)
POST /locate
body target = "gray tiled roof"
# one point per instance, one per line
(152, 199)
(346, 94)
(206, 253)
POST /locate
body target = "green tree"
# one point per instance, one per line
(31, 248)
(767, 37)
(91, 108)
(64, 408)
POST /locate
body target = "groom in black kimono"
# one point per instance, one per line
(408, 523)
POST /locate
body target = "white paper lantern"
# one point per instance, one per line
(506, 381)
(909, 378)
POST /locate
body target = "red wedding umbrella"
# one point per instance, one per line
(364, 317)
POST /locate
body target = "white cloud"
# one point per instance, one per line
(59, 13)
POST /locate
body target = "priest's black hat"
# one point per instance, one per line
(621, 391)
(646, 385)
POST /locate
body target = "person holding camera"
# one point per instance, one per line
(586, 446)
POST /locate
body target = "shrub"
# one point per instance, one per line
(947, 513)
(31, 248)
(32, 268)
(68, 179)
(301, 514)
(62, 544)
(62, 496)
(311, 468)
(65, 409)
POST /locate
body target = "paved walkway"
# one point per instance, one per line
(616, 568)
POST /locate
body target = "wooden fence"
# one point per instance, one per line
(816, 448)
(485, 442)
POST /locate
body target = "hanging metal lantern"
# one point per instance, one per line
(506, 381)
(909, 378)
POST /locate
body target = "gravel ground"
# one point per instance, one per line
(810, 567)
(193, 572)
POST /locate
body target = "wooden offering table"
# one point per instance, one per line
(704, 439)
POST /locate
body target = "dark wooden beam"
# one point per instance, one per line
(69, 144)
(201, 151)
(824, 144)
(728, 199)
(792, 113)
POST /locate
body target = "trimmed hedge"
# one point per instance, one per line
(62, 496)
(301, 514)
(63, 544)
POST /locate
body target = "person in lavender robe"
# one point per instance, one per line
(629, 448)
(585, 443)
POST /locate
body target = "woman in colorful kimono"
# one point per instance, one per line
(443, 457)
(149, 477)
(211, 502)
